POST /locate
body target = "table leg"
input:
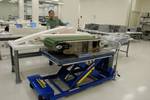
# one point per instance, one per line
(12, 59)
(0, 55)
(16, 66)
(127, 51)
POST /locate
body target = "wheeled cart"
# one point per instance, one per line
(76, 73)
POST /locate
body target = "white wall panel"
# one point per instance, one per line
(105, 11)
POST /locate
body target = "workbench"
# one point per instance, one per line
(7, 37)
(15, 56)
(77, 73)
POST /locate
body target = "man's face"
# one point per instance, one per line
(51, 14)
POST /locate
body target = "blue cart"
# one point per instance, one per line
(76, 73)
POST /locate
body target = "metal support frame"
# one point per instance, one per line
(16, 66)
(0, 56)
(15, 56)
(127, 49)
(12, 61)
(74, 76)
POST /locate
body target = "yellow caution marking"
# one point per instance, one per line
(41, 83)
(86, 75)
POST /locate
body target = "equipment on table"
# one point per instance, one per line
(73, 44)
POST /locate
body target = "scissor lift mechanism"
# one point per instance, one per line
(77, 73)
